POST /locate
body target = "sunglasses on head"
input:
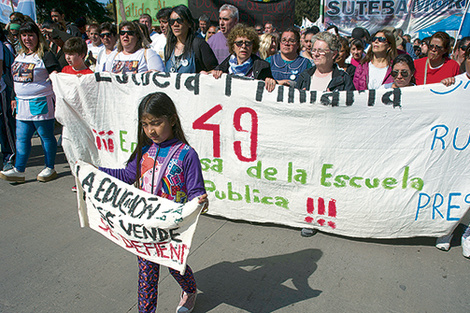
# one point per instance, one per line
(172, 21)
(240, 43)
(404, 73)
(102, 35)
(380, 39)
(128, 32)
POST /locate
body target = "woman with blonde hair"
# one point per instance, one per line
(375, 68)
(267, 46)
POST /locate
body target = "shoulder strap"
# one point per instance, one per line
(162, 170)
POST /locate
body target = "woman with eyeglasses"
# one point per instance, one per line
(133, 53)
(437, 65)
(287, 65)
(403, 70)
(243, 43)
(375, 68)
(184, 51)
(325, 75)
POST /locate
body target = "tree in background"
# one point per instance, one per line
(73, 9)
(306, 8)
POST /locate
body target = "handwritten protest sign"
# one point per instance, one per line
(151, 227)
(379, 163)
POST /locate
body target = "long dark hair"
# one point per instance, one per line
(157, 104)
(187, 17)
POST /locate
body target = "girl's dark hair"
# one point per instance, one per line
(187, 17)
(408, 60)
(157, 104)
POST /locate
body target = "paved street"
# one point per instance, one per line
(50, 264)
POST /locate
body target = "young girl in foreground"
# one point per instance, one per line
(160, 136)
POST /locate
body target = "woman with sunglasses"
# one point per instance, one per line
(108, 37)
(437, 65)
(243, 43)
(375, 68)
(184, 51)
(402, 72)
(325, 75)
(287, 65)
(133, 53)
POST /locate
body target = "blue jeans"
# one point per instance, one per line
(24, 133)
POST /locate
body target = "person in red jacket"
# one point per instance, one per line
(437, 65)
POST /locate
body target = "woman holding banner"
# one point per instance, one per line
(437, 65)
(184, 51)
(325, 75)
(375, 69)
(243, 43)
(287, 65)
(402, 72)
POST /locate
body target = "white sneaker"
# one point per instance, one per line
(466, 247)
(12, 175)
(443, 243)
(47, 174)
(187, 302)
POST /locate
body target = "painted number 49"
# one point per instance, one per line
(201, 123)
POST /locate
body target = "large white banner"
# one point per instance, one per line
(379, 163)
(151, 227)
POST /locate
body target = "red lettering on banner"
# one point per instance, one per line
(237, 145)
(106, 228)
(321, 211)
(200, 123)
(321, 206)
(104, 141)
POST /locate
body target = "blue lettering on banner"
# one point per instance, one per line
(451, 90)
(439, 206)
(441, 131)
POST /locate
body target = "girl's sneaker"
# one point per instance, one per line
(187, 302)
(12, 175)
(47, 174)
(443, 243)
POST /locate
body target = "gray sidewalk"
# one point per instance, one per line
(49, 264)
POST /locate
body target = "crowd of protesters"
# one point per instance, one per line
(307, 59)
